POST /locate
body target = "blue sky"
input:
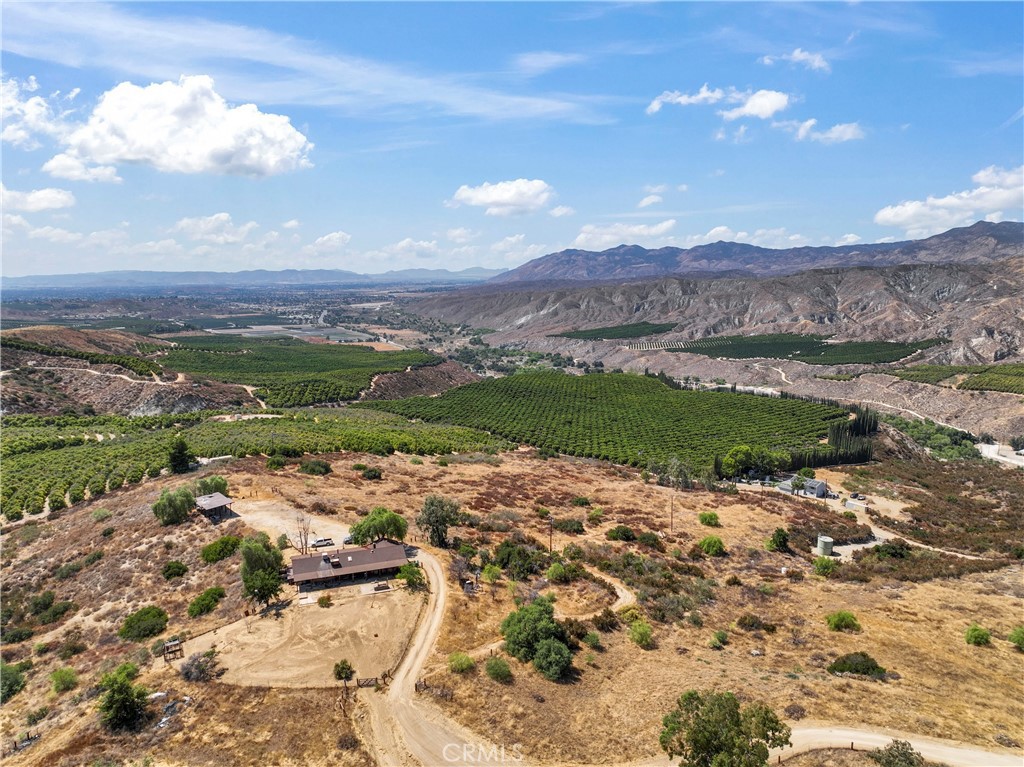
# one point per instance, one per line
(378, 136)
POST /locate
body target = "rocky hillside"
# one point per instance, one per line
(978, 307)
(983, 243)
(426, 381)
(99, 341)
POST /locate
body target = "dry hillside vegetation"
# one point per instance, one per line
(609, 709)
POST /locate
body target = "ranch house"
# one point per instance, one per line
(328, 568)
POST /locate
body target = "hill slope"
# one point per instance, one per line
(982, 242)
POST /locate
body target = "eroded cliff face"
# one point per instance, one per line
(980, 308)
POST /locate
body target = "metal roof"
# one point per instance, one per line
(335, 563)
(212, 501)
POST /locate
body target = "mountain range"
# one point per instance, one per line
(251, 278)
(983, 242)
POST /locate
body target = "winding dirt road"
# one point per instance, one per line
(406, 730)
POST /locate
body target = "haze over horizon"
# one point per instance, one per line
(377, 137)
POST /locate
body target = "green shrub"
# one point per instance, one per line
(733, 580)
(825, 566)
(1017, 637)
(606, 621)
(41, 602)
(276, 462)
(107, 532)
(557, 573)
(650, 540)
(173, 507)
(343, 670)
(359, 467)
(315, 466)
(206, 602)
(372, 472)
(571, 526)
(12, 680)
(621, 533)
(283, 542)
(63, 679)
(843, 620)
(899, 753)
(718, 640)
(779, 540)
(212, 484)
(174, 569)
(641, 633)
(71, 646)
(552, 659)
(712, 546)
(595, 516)
(709, 519)
(751, 622)
(460, 663)
(978, 636)
(124, 706)
(856, 663)
(324, 601)
(55, 612)
(222, 548)
(101, 515)
(498, 670)
(144, 623)
(92, 557)
(580, 500)
(592, 640)
(416, 461)
(32, 718)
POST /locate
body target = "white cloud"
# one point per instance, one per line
(803, 131)
(13, 222)
(53, 234)
(651, 199)
(108, 239)
(218, 229)
(461, 235)
(182, 127)
(329, 243)
(24, 118)
(997, 191)
(293, 223)
(511, 242)
(36, 200)
(541, 62)
(814, 61)
(506, 198)
(655, 188)
(739, 136)
(560, 211)
(167, 247)
(765, 238)
(600, 237)
(72, 168)
(703, 96)
(414, 248)
(848, 239)
(762, 104)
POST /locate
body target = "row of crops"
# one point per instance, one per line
(814, 350)
(624, 418)
(613, 332)
(1005, 378)
(288, 372)
(135, 364)
(62, 475)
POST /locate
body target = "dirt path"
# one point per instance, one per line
(106, 375)
(907, 410)
(251, 390)
(780, 371)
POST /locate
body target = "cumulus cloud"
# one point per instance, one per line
(505, 198)
(762, 104)
(461, 235)
(414, 248)
(777, 237)
(293, 223)
(53, 234)
(25, 117)
(703, 96)
(560, 211)
(651, 199)
(848, 239)
(814, 61)
(36, 200)
(182, 127)
(602, 236)
(218, 229)
(837, 134)
(329, 243)
(74, 169)
(541, 62)
(506, 244)
(998, 192)
(655, 188)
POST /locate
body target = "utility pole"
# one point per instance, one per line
(551, 534)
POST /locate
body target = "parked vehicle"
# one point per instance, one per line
(319, 543)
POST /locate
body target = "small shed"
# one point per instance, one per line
(214, 505)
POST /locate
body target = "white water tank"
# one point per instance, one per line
(824, 546)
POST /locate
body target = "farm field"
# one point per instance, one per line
(814, 350)
(288, 372)
(1006, 378)
(627, 419)
(614, 332)
(64, 458)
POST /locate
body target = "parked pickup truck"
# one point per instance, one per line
(320, 543)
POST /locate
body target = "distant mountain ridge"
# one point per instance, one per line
(249, 278)
(983, 242)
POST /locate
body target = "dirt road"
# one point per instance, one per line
(405, 729)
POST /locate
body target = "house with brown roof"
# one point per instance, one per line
(332, 567)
